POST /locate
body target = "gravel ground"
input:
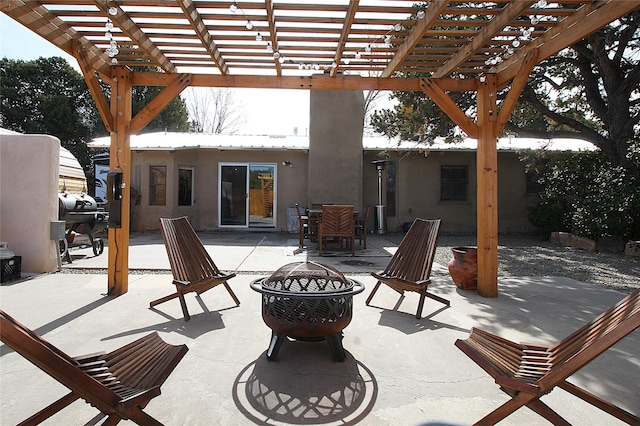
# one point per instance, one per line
(526, 255)
(535, 256)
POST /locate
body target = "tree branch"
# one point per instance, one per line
(590, 80)
(543, 134)
(584, 132)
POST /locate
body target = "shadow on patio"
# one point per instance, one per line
(398, 370)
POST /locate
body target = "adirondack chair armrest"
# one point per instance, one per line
(223, 276)
(382, 276)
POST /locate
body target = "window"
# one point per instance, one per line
(454, 182)
(157, 185)
(185, 186)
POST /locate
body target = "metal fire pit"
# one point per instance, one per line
(307, 301)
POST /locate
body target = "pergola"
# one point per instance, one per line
(437, 47)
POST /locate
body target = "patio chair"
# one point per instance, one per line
(361, 227)
(303, 222)
(526, 372)
(337, 222)
(120, 383)
(410, 267)
(192, 267)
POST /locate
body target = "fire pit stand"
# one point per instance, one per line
(307, 301)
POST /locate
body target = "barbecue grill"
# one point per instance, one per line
(81, 214)
(307, 301)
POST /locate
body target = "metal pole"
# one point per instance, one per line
(381, 219)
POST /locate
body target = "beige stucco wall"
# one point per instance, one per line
(291, 183)
(418, 191)
(28, 198)
(335, 147)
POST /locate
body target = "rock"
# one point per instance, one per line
(610, 244)
(561, 238)
(582, 243)
(632, 248)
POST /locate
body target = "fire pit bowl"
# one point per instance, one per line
(307, 301)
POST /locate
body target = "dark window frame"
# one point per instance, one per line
(185, 195)
(158, 185)
(454, 183)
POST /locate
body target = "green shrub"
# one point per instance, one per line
(585, 195)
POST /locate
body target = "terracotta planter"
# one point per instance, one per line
(463, 267)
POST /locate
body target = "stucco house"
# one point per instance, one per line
(251, 182)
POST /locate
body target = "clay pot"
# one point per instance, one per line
(463, 267)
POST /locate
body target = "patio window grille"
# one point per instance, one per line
(454, 183)
(157, 185)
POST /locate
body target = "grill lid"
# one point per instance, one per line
(308, 277)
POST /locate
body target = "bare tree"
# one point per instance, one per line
(214, 110)
(372, 100)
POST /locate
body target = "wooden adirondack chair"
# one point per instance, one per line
(192, 267)
(527, 372)
(410, 267)
(119, 383)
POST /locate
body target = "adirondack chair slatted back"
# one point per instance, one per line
(586, 343)
(410, 267)
(414, 257)
(160, 357)
(528, 371)
(54, 362)
(192, 267)
(188, 258)
(107, 381)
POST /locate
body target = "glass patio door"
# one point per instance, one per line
(247, 195)
(233, 195)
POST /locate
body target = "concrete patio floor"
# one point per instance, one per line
(398, 371)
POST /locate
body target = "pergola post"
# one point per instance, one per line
(120, 161)
(487, 198)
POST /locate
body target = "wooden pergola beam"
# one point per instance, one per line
(449, 107)
(120, 161)
(509, 12)
(420, 28)
(135, 33)
(42, 22)
(487, 183)
(584, 22)
(194, 18)
(344, 35)
(164, 98)
(271, 19)
(517, 85)
(94, 88)
(315, 82)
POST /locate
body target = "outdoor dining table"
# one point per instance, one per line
(315, 217)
